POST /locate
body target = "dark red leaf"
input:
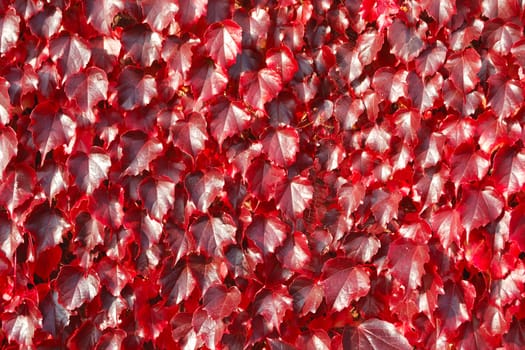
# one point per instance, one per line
(87, 88)
(51, 128)
(260, 87)
(190, 135)
(229, 119)
(505, 96)
(343, 283)
(455, 305)
(70, 52)
(405, 42)
(9, 29)
(48, 225)
(463, 68)
(8, 144)
(374, 334)
(267, 233)
(135, 88)
(272, 305)
(407, 260)
(75, 286)
(479, 206)
(281, 145)
(101, 14)
(203, 188)
(89, 170)
(159, 14)
(295, 197)
(223, 42)
(220, 302)
(212, 234)
(157, 196)
(282, 61)
(138, 151)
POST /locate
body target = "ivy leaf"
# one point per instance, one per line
(8, 144)
(76, 286)
(464, 68)
(407, 260)
(89, 170)
(229, 119)
(223, 42)
(281, 145)
(9, 29)
(51, 128)
(374, 334)
(70, 52)
(343, 283)
(479, 206)
(258, 88)
(87, 88)
(213, 234)
(295, 197)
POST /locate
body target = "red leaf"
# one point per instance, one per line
(517, 226)
(8, 145)
(368, 45)
(505, 96)
(264, 178)
(101, 14)
(159, 13)
(468, 165)
(455, 305)
(362, 248)
(135, 88)
(464, 68)
(190, 135)
(374, 334)
(407, 260)
(258, 88)
(390, 84)
(87, 88)
(177, 282)
(405, 42)
(76, 286)
(46, 23)
(158, 196)
(138, 150)
(295, 197)
(190, 10)
(307, 295)
(447, 224)
(500, 36)
(47, 225)
(424, 93)
(440, 10)
(223, 42)
(17, 187)
(203, 188)
(272, 305)
(478, 207)
(208, 79)
(10, 236)
(51, 128)
(5, 101)
(509, 170)
(385, 205)
(344, 283)
(229, 119)
(55, 316)
(10, 30)
(267, 233)
(212, 234)
(431, 60)
(281, 145)
(106, 205)
(70, 52)
(282, 61)
(220, 302)
(21, 325)
(295, 254)
(89, 170)
(113, 275)
(142, 45)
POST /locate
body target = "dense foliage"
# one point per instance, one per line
(285, 174)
